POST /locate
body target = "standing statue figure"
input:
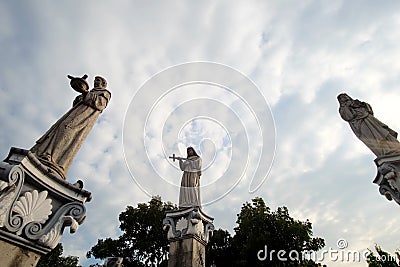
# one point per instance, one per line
(59, 145)
(377, 136)
(189, 195)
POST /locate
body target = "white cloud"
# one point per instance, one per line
(300, 55)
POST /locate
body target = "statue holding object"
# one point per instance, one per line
(59, 145)
(36, 202)
(189, 195)
(380, 139)
(189, 228)
(376, 135)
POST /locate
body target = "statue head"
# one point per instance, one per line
(100, 82)
(342, 98)
(191, 152)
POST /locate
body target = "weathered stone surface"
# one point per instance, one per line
(388, 176)
(188, 222)
(380, 139)
(187, 252)
(13, 256)
(35, 206)
(188, 232)
(58, 146)
(189, 195)
(376, 135)
(189, 228)
(113, 262)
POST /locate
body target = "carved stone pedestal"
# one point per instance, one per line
(35, 207)
(188, 233)
(388, 176)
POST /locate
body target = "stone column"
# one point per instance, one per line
(188, 233)
(35, 207)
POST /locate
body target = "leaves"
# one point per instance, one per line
(54, 258)
(143, 241)
(383, 259)
(258, 227)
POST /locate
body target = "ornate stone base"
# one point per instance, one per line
(188, 232)
(36, 205)
(388, 176)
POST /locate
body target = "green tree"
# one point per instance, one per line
(259, 229)
(143, 241)
(219, 249)
(383, 259)
(54, 258)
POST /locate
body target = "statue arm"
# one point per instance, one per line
(97, 100)
(197, 164)
(182, 164)
(346, 113)
(77, 100)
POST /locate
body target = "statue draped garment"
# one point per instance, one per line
(376, 135)
(59, 145)
(189, 195)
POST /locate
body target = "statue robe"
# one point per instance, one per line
(59, 145)
(376, 135)
(189, 195)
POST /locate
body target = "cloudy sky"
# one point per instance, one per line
(297, 56)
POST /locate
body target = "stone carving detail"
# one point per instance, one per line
(3, 185)
(9, 190)
(6, 197)
(53, 237)
(35, 206)
(58, 146)
(208, 231)
(68, 215)
(188, 222)
(181, 224)
(32, 207)
(388, 177)
(376, 135)
(196, 227)
(391, 174)
(168, 226)
(380, 139)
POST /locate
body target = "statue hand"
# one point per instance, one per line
(77, 100)
(88, 97)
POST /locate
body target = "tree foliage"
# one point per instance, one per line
(259, 229)
(143, 241)
(55, 258)
(219, 249)
(383, 259)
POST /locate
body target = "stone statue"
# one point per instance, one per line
(189, 195)
(377, 136)
(59, 145)
(113, 262)
(189, 228)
